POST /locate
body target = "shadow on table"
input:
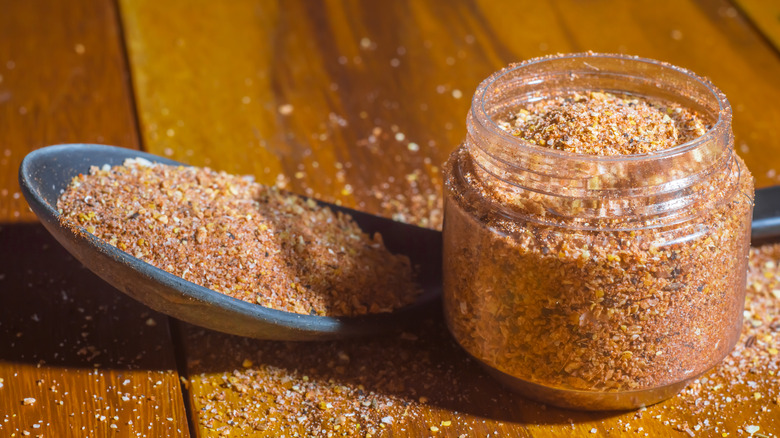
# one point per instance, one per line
(422, 362)
(53, 311)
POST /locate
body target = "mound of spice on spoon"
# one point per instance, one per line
(240, 238)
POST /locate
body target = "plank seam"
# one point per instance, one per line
(174, 327)
(129, 83)
(755, 26)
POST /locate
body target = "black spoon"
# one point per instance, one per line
(766, 216)
(44, 175)
(46, 172)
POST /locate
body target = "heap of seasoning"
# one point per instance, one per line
(593, 309)
(240, 238)
(599, 123)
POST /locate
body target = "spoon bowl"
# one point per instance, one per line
(45, 174)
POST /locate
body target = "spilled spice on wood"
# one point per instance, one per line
(403, 384)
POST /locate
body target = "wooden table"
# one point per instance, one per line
(352, 102)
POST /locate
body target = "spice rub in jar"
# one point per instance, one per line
(602, 123)
(240, 238)
(607, 272)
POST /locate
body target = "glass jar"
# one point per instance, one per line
(595, 282)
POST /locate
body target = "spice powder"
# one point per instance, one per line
(598, 309)
(599, 123)
(240, 238)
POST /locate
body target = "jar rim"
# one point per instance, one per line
(478, 107)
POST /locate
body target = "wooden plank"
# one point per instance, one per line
(93, 361)
(77, 358)
(216, 94)
(63, 79)
(765, 14)
(360, 103)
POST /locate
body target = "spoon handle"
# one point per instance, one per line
(766, 215)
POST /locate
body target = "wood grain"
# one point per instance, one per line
(94, 361)
(424, 363)
(77, 358)
(63, 79)
(327, 98)
(361, 102)
(765, 15)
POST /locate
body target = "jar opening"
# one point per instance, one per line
(541, 78)
(663, 183)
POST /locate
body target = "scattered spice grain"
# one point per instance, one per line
(423, 371)
(728, 391)
(340, 388)
(240, 238)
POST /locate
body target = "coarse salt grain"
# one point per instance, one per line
(286, 109)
